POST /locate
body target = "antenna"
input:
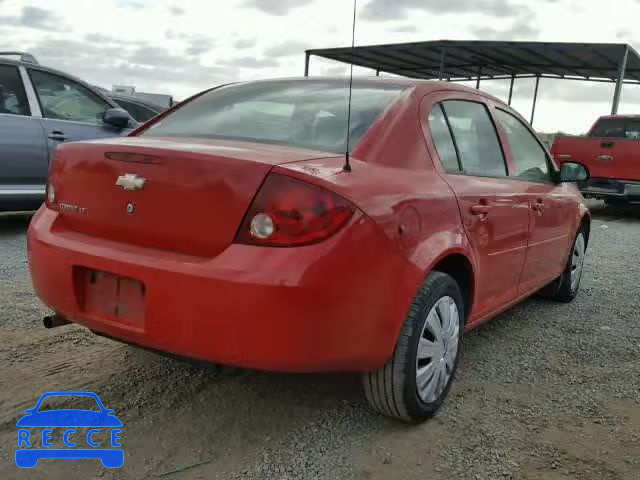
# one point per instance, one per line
(347, 164)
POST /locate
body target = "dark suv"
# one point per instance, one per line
(40, 108)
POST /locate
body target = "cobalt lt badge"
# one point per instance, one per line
(131, 208)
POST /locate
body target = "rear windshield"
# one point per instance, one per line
(617, 128)
(308, 114)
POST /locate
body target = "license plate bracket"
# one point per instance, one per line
(110, 295)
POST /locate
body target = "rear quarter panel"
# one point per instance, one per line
(394, 182)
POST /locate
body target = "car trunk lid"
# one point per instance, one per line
(186, 196)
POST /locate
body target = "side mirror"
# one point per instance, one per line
(117, 117)
(573, 172)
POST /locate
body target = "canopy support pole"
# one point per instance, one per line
(478, 80)
(622, 69)
(377, 72)
(513, 77)
(306, 64)
(441, 71)
(535, 99)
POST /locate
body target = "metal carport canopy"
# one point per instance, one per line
(454, 60)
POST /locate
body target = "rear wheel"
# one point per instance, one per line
(414, 382)
(566, 286)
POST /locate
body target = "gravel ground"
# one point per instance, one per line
(545, 391)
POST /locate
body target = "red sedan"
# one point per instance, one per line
(228, 229)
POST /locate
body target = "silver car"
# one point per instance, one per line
(39, 109)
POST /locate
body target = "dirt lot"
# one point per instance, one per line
(545, 391)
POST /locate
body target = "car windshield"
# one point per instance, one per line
(76, 402)
(308, 114)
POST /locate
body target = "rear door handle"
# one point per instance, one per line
(538, 207)
(57, 135)
(481, 210)
(606, 158)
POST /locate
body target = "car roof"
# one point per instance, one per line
(623, 116)
(425, 86)
(38, 66)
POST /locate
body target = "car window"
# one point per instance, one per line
(529, 157)
(632, 130)
(620, 127)
(442, 139)
(137, 111)
(144, 113)
(63, 99)
(128, 106)
(13, 99)
(309, 114)
(476, 138)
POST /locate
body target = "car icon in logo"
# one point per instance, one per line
(68, 420)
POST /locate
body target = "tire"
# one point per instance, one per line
(392, 390)
(566, 286)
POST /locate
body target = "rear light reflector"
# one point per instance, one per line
(51, 200)
(287, 212)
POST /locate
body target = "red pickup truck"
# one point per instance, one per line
(611, 152)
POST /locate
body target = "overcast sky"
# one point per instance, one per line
(181, 47)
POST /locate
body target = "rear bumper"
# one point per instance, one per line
(611, 189)
(333, 306)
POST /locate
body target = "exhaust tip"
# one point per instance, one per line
(55, 320)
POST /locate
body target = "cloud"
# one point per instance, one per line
(149, 68)
(624, 34)
(586, 92)
(277, 7)
(519, 30)
(569, 91)
(250, 62)
(34, 17)
(132, 4)
(286, 49)
(382, 10)
(245, 43)
(176, 10)
(405, 29)
(199, 44)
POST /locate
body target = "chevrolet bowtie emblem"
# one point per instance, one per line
(130, 181)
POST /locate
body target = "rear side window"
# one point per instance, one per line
(632, 130)
(63, 99)
(442, 139)
(308, 114)
(137, 111)
(529, 157)
(617, 128)
(143, 113)
(476, 138)
(13, 99)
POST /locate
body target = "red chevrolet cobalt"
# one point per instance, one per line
(234, 229)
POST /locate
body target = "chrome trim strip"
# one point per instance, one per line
(34, 105)
(24, 191)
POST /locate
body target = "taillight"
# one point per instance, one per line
(51, 193)
(288, 212)
(51, 200)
